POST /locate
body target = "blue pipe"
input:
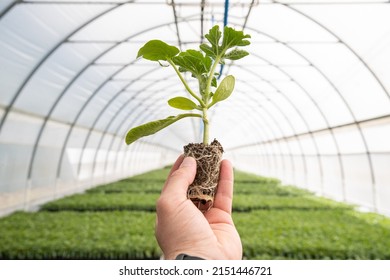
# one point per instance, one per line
(225, 16)
(225, 21)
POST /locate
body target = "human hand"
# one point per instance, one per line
(181, 228)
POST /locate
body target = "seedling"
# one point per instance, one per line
(202, 64)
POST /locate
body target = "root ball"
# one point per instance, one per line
(208, 158)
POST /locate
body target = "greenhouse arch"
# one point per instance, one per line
(311, 105)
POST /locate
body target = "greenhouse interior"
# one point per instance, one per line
(307, 127)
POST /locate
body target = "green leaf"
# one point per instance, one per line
(156, 50)
(208, 50)
(233, 38)
(214, 82)
(193, 61)
(153, 127)
(213, 37)
(182, 103)
(224, 90)
(236, 54)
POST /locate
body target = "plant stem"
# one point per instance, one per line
(205, 127)
(193, 94)
(211, 75)
(206, 101)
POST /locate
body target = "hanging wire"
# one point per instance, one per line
(176, 23)
(202, 5)
(249, 12)
(253, 3)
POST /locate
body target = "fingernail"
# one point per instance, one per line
(188, 161)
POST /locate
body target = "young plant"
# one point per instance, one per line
(202, 65)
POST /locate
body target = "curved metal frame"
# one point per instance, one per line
(375, 203)
(285, 96)
(63, 92)
(288, 121)
(123, 107)
(112, 6)
(7, 9)
(280, 128)
(145, 116)
(344, 101)
(339, 155)
(43, 60)
(348, 108)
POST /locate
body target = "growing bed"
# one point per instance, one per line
(116, 221)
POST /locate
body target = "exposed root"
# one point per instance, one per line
(208, 159)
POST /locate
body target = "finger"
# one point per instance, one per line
(176, 165)
(224, 196)
(180, 178)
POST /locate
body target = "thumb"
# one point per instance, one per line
(179, 180)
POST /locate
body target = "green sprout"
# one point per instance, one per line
(202, 65)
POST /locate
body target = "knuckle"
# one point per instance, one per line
(163, 204)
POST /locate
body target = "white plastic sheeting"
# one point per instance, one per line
(311, 104)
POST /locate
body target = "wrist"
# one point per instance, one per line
(187, 257)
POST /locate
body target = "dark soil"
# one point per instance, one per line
(208, 159)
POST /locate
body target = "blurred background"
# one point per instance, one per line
(311, 106)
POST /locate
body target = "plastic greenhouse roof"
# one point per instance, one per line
(313, 92)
